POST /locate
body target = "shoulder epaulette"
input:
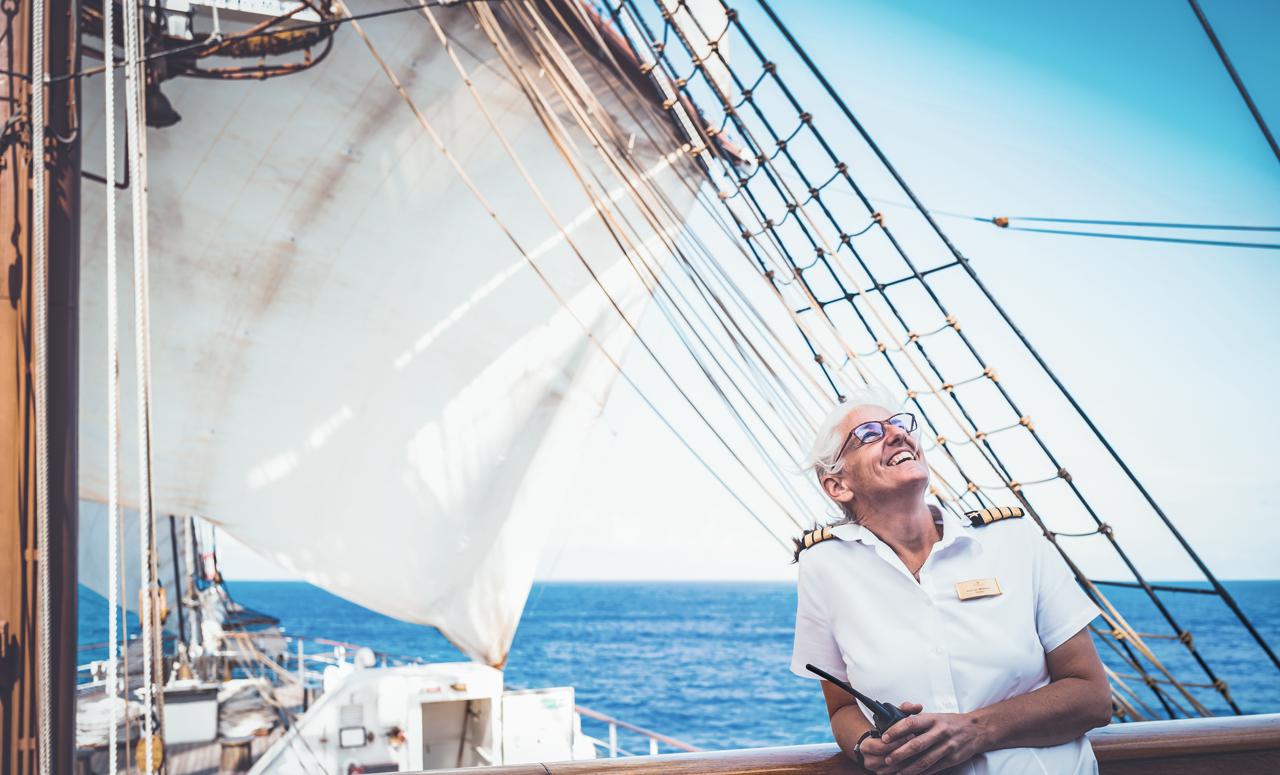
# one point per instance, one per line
(984, 517)
(815, 536)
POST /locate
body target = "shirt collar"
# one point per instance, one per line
(953, 529)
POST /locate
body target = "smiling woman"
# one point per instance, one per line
(977, 632)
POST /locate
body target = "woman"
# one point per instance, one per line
(979, 632)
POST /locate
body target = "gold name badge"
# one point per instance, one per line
(967, 590)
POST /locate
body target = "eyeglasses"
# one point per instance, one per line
(874, 430)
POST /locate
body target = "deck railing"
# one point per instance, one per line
(1242, 745)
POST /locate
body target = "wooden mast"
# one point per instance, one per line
(19, 550)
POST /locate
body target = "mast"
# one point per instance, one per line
(20, 553)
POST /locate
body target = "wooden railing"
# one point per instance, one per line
(1242, 745)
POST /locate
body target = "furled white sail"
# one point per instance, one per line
(354, 371)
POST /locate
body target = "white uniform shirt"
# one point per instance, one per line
(862, 617)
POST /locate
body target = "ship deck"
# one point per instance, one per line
(190, 758)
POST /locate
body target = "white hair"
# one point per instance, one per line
(823, 457)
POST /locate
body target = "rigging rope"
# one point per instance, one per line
(1235, 77)
(135, 100)
(40, 292)
(1147, 238)
(113, 400)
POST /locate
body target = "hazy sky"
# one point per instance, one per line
(1091, 110)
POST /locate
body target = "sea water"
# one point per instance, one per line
(708, 662)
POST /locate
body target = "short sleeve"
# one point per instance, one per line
(814, 642)
(1062, 607)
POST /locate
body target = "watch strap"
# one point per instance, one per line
(857, 747)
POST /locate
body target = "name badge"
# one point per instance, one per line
(967, 590)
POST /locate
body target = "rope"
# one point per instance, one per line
(113, 397)
(1144, 224)
(1235, 77)
(1147, 238)
(39, 289)
(135, 97)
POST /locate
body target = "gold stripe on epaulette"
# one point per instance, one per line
(816, 536)
(994, 514)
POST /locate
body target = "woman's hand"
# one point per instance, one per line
(875, 749)
(931, 742)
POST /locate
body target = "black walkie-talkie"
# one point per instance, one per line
(883, 715)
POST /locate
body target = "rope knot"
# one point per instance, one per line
(1063, 473)
(1001, 221)
(1106, 530)
(1185, 637)
(1025, 421)
(951, 321)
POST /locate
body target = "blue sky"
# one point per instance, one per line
(1093, 110)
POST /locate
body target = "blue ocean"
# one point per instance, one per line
(707, 662)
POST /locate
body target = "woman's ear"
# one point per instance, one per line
(836, 490)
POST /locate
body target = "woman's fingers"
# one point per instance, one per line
(877, 765)
(918, 749)
(878, 746)
(910, 708)
(933, 760)
(912, 725)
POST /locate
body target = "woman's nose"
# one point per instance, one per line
(893, 431)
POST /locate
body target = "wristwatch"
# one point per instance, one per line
(857, 747)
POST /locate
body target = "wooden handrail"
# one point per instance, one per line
(1235, 744)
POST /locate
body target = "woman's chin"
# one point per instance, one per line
(914, 472)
